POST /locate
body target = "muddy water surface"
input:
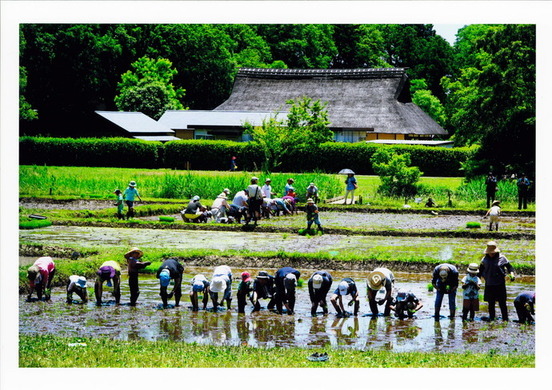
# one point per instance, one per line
(443, 249)
(266, 329)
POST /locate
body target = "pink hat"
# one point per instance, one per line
(246, 276)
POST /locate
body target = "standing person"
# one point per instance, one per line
(378, 279)
(255, 199)
(109, 271)
(312, 192)
(445, 282)
(130, 194)
(523, 185)
(200, 284)
(134, 266)
(263, 288)
(40, 276)
(494, 213)
(525, 306)
(491, 183)
(319, 285)
(221, 282)
(266, 189)
(170, 269)
(494, 268)
(346, 286)
(77, 284)
(233, 163)
(406, 304)
(119, 204)
(245, 290)
(288, 186)
(286, 280)
(311, 210)
(220, 207)
(471, 284)
(350, 187)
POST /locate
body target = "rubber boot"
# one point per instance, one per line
(452, 313)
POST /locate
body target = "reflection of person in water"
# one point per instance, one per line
(318, 335)
(439, 339)
(243, 326)
(351, 327)
(172, 327)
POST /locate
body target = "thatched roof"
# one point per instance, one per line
(376, 99)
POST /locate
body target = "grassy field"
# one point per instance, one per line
(99, 183)
(103, 352)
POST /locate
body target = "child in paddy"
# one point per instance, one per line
(471, 284)
(312, 215)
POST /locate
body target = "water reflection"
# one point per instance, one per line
(267, 329)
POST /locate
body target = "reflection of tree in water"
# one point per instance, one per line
(319, 337)
(345, 330)
(275, 330)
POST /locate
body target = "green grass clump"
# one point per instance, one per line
(166, 219)
(34, 223)
(473, 225)
(53, 351)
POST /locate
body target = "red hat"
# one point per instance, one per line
(246, 276)
(233, 158)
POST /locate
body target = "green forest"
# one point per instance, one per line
(481, 89)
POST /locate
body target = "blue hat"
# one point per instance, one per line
(198, 286)
(165, 277)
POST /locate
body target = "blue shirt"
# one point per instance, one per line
(350, 181)
(131, 193)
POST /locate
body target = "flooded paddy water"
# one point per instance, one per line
(149, 321)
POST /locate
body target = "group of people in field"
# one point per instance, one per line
(280, 289)
(253, 203)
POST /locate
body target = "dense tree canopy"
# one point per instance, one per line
(481, 89)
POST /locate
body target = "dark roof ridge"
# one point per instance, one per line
(327, 73)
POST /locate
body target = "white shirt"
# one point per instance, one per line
(240, 199)
(266, 190)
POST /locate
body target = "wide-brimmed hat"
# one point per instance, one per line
(137, 250)
(117, 191)
(81, 282)
(473, 268)
(33, 270)
(246, 276)
(132, 184)
(376, 280)
(309, 200)
(218, 284)
(263, 275)
(311, 185)
(317, 281)
(343, 288)
(496, 202)
(196, 198)
(226, 191)
(267, 180)
(165, 277)
(254, 178)
(491, 248)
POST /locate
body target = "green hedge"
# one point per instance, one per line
(90, 152)
(215, 155)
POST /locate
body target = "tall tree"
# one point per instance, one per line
(148, 88)
(359, 46)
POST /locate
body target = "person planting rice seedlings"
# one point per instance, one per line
(119, 204)
(312, 215)
(245, 290)
(263, 288)
(285, 280)
(494, 269)
(110, 272)
(319, 284)
(170, 269)
(194, 212)
(134, 266)
(378, 279)
(494, 213)
(220, 208)
(347, 286)
(312, 192)
(77, 284)
(130, 194)
(40, 276)
(406, 304)
(445, 282)
(525, 307)
(199, 284)
(221, 283)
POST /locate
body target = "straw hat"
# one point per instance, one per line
(317, 281)
(495, 203)
(217, 285)
(309, 200)
(491, 248)
(135, 250)
(473, 268)
(376, 280)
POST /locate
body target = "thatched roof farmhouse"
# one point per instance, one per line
(363, 104)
